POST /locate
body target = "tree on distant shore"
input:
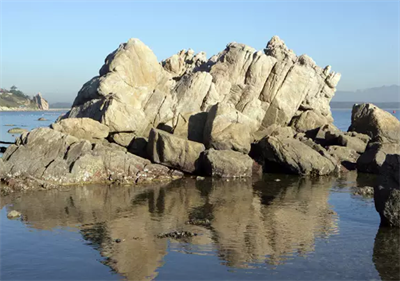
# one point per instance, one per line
(14, 90)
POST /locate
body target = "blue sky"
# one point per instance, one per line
(53, 47)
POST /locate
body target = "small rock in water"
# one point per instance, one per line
(277, 180)
(200, 178)
(17, 131)
(13, 214)
(10, 125)
(42, 119)
(3, 149)
(118, 240)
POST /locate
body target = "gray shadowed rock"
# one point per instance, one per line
(82, 128)
(377, 123)
(174, 152)
(347, 156)
(226, 164)
(387, 193)
(227, 128)
(351, 142)
(308, 120)
(46, 156)
(123, 138)
(373, 158)
(327, 134)
(293, 156)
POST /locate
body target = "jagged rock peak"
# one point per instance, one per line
(40, 102)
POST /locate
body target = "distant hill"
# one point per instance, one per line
(349, 105)
(378, 94)
(16, 99)
(61, 105)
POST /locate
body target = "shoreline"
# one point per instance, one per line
(31, 109)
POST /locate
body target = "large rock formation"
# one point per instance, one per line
(170, 112)
(40, 102)
(133, 92)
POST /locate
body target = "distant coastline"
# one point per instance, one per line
(349, 105)
(6, 109)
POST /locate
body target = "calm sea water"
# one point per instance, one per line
(294, 229)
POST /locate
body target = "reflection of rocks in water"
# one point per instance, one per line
(273, 221)
(386, 253)
(246, 222)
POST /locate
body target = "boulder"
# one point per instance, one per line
(351, 142)
(387, 193)
(377, 123)
(123, 139)
(174, 152)
(307, 121)
(17, 131)
(47, 156)
(347, 156)
(293, 156)
(372, 159)
(226, 164)
(327, 134)
(82, 128)
(226, 128)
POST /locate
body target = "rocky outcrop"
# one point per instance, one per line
(227, 164)
(171, 112)
(294, 156)
(387, 193)
(52, 158)
(372, 160)
(134, 92)
(379, 124)
(173, 151)
(40, 102)
(82, 128)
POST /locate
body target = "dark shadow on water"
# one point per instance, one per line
(386, 256)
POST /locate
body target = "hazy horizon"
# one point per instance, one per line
(55, 47)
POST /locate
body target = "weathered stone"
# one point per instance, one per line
(308, 120)
(123, 139)
(226, 128)
(173, 151)
(81, 128)
(379, 124)
(17, 131)
(387, 193)
(13, 214)
(347, 156)
(226, 164)
(326, 134)
(374, 156)
(352, 142)
(190, 126)
(46, 157)
(293, 156)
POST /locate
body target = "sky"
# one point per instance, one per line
(54, 47)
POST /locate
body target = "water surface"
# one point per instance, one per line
(292, 229)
